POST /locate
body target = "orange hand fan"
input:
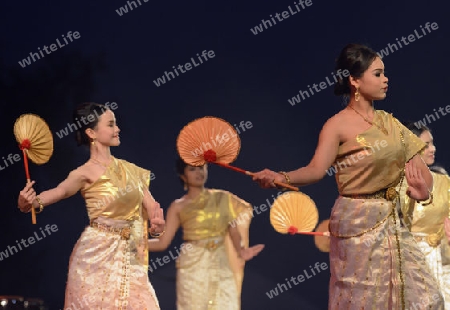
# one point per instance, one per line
(323, 241)
(294, 213)
(36, 142)
(213, 140)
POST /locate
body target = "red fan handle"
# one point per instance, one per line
(314, 233)
(293, 230)
(210, 156)
(280, 184)
(25, 145)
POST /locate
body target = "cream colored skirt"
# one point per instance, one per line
(433, 257)
(105, 274)
(205, 280)
(374, 262)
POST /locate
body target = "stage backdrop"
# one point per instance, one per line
(264, 66)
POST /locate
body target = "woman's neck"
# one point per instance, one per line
(193, 192)
(363, 106)
(101, 153)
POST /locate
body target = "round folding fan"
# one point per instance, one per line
(208, 133)
(323, 241)
(36, 142)
(294, 213)
(213, 140)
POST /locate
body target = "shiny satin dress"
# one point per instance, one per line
(427, 226)
(108, 267)
(209, 272)
(374, 262)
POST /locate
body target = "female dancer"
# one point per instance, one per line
(215, 227)
(375, 263)
(108, 265)
(426, 222)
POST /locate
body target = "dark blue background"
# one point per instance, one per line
(250, 79)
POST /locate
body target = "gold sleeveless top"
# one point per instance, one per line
(429, 219)
(372, 160)
(209, 214)
(118, 192)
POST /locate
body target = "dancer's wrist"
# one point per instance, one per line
(286, 177)
(155, 234)
(38, 204)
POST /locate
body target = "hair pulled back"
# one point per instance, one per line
(356, 59)
(86, 115)
(415, 128)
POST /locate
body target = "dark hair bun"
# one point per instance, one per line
(416, 127)
(356, 59)
(86, 116)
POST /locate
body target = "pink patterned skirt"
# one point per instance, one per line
(375, 262)
(106, 272)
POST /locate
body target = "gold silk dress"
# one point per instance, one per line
(374, 261)
(209, 272)
(108, 267)
(427, 226)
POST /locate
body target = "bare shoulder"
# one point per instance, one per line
(344, 115)
(84, 173)
(335, 123)
(178, 204)
(79, 173)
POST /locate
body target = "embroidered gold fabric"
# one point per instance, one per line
(379, 266)
(427, 226)
(365, 270)
(445, 278)
(124, 232)
(371, 162)
(210, 274)
(429, 219)
(108, 268)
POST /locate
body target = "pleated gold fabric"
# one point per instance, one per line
(109, 269)
(210, 274)
(373, 270)
(429, 219)
(374, 262)
(373, 161)
(445, 256)
(446, 280)
(427, 226)
(118, 192)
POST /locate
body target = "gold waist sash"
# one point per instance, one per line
(389, 194)
(433, 240)
(124, 232)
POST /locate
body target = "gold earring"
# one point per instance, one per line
(357, 95)
(93, 142)
(185, 187)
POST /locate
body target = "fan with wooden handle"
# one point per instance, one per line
(36, 142)
(322, 242)
(294, 213)
(212, 140)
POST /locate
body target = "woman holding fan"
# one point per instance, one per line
(108, 266)
(374, 262)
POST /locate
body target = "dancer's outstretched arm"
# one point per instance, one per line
(325, 155)
(67, 188)
(244, 253)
